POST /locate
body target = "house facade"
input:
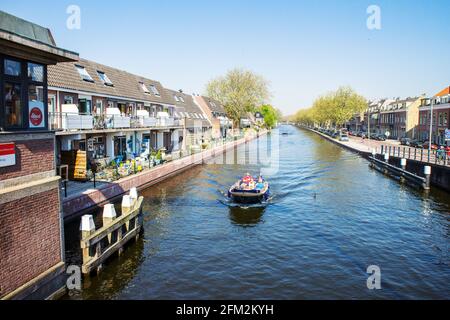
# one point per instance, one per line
(197, 126)
(441, 113)
(102, 114)
(31, 225)
(216, 114)
(400, 118)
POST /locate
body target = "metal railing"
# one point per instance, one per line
(73, 121)
(438, 157)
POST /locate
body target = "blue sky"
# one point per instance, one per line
(304, 48)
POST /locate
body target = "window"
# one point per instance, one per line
(99, 106)
(144, 87)
(12, 68)
(68, 100)
(154, 90)
(84, 74)
(176, 98)
(35, 72)
(106, 81)
(13, 105)
(181, 99)
(36, 106)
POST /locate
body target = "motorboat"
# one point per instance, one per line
(249, 190)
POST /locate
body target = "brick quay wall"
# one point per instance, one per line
(77, 205)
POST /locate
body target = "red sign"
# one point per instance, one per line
(36, 117)
(7, 154)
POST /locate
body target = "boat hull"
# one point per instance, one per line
(248, 197)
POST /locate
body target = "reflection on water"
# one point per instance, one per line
(246, 217)
(330, 219)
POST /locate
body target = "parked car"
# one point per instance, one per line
(405, 141)
(378, 137)
(416, 144)
(426, 144)
(343, 137)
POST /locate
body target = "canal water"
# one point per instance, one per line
(330, 219)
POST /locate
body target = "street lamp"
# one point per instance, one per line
(431, 128)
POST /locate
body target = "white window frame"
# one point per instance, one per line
(85, 76)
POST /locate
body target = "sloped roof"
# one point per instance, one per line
(24, 39)
(189, 108)
(214, 105)
(444, 92)
(25, 29)
(125, 84)
(188, 105)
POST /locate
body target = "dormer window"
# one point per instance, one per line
(84, 74)
(144, 87)
(154, 90)
(106, 81)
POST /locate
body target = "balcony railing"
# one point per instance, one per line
(73, 122)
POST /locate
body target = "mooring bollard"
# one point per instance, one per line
(127, 204)
(403, 163)
(87, 228)
(427, 172)
(134, 194)
(109, 215)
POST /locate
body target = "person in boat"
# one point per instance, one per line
(260, 185)
(247, 178)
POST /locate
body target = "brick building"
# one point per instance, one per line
(400, 118)
(31, 229)
(221, 125)
(441, 113)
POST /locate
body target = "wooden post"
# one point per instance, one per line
(427, 172)
(109, 215)
(87, 227)
(403, 163)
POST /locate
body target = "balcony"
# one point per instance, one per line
(118, 122)
(77, 122)
(70, 121)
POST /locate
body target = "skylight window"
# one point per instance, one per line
(176, 98)
(154, 90)
(84, 74)
(181, 99)
(144, 87)
(105, 78)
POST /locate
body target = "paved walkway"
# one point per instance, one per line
(395, 149)
(75, 187)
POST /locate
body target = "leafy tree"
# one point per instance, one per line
(271, 115)
(334, 108)
(239, 91)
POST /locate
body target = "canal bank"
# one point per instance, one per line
(440, 174)
(77, 205)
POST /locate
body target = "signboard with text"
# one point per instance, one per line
(7, 154)
(36, 116)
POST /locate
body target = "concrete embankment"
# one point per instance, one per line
(440, 175)
(77, 205)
